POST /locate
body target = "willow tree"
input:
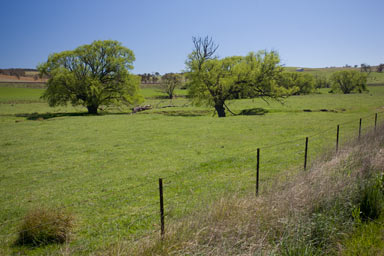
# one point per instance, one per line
(214, 81)
(91, 75)
(348, 81)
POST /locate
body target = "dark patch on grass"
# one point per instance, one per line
(325, 110)
(190, 113)
(42, 116)
(253, 112)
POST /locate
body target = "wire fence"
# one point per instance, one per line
(140, 210)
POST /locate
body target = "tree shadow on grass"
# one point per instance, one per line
(42, 116)
(253, 112)
(191, 113)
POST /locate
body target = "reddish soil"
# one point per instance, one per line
(26, 79)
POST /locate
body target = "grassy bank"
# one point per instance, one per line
(336, 208)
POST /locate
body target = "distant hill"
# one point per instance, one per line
(20, 75)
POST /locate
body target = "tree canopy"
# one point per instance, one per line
(298, 83)
(91, 75)
(169, 82)
(348, 81)
(213, 81)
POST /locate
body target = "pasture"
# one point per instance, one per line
(104, 169)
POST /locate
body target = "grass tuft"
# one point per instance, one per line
(44, 226)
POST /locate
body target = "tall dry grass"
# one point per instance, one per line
(306, 214)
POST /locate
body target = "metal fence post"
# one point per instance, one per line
(306, 153)
(337, 138)
(161, 207)
(360, 129)
(257, 171)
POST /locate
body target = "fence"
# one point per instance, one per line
(141, 210)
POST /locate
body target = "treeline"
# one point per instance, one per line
(22, 72)
(18, 72)
(345, 81)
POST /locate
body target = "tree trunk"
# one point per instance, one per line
(92, 109)
(220, 110)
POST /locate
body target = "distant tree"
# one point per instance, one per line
(348, 81)
(380, 68)
(214, 81)
(356, 66)
(365, 68)
(298, 83)
(321, 82)
(155, 79)
(91, 75)
(169, 82)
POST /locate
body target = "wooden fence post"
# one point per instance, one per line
(375, 121)
(161, 207)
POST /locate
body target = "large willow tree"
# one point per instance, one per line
(91, 75)
(214, 81)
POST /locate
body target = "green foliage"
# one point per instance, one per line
(44, 226)
(215, 81)
(91, 75)
(298, 83)
(321, 81)
(348, 81)
(367, 240)
(372, 200)
(170, 82)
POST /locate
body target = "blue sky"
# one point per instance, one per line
(305, 32)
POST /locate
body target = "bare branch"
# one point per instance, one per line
(204, 50)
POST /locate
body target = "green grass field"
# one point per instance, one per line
(104, 169)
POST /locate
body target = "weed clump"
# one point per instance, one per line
(44, 226)
(372, 200)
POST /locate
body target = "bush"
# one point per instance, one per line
(348, 81)
(298, 83)
(322, 82)
(44, 226)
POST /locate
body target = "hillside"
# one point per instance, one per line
(21, 76)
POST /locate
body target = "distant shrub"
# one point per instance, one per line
(322, 82)
(44, 226)
(298, 83)
(380, 68)
(348, 81)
